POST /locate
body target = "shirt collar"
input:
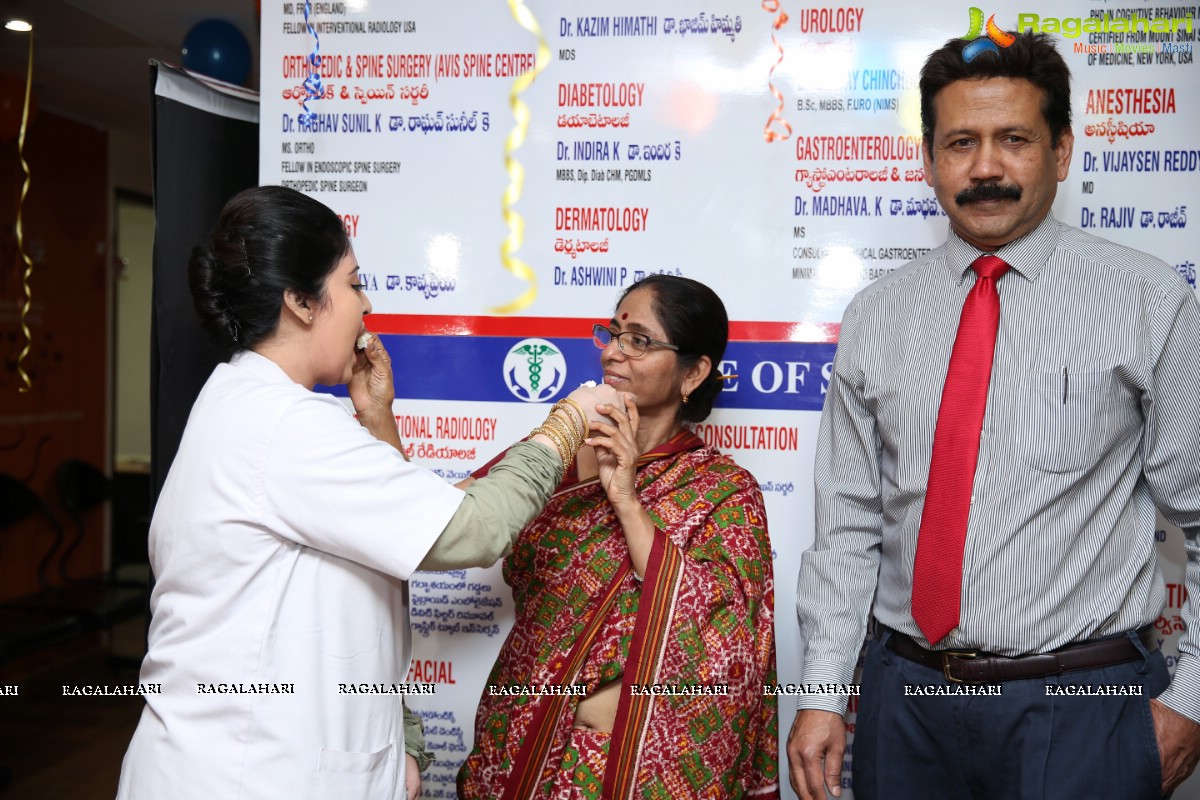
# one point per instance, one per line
(260, 366)
(1027, 256)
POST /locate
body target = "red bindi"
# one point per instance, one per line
(625, 315)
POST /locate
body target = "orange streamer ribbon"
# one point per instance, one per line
(772, 6)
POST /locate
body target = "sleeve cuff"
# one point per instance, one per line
(824, 673)
(1183, 695)
(423, 757)
(414, 740)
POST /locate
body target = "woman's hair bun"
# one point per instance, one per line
(268, 241)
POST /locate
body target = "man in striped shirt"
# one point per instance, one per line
(1087, 424)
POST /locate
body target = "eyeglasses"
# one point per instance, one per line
(631, 343)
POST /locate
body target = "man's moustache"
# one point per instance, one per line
(988, 191)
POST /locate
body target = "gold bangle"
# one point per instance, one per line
(562, 437)
(570, 435)
(567, 429)
(564, 450)
(556, 438)
(587, 428)
(567, 420)
(583, 417)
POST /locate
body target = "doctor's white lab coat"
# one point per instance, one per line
(280, 544)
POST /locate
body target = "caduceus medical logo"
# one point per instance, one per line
(987, 39)
(534, 370)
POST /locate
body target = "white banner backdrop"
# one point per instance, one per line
(768, 149)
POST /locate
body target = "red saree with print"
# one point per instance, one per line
(692, 645)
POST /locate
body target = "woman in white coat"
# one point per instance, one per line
(286, 529)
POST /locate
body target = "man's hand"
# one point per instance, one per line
(1178, 745)
(816, 737)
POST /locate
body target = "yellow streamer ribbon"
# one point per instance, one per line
(20, 230)
(516, 173)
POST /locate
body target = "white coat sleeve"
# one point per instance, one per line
(328, 484)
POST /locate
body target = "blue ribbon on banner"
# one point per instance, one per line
(770, 375)
(312, 84)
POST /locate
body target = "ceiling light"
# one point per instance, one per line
(18, 25)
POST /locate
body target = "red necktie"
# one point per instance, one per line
(937, 572)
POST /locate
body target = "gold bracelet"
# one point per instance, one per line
(587, 428)
(568, 420)
(554, 437)
(564, 450)
(567, 429)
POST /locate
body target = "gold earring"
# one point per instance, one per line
(685, 398)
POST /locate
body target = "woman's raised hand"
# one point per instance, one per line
(615, 443)
(371, 386)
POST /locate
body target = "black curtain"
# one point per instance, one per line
(205, 150)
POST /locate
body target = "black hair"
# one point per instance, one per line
(1031, 56)
(268, 240)
(694, 319)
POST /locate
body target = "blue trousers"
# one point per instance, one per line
(1040, 738)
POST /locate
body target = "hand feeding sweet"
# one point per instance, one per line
(570, 421)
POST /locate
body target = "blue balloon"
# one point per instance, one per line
(216, 48)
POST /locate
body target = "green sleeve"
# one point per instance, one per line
(414, 739)
(496, 508)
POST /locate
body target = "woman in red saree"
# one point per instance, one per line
(643, 593)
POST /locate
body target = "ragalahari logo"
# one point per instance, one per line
(986, 40)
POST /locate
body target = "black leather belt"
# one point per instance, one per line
(976, 666)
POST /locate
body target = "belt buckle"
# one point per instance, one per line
(965, 655)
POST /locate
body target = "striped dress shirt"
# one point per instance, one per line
(1091, 422)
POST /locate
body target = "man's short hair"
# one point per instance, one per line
(1032, 56)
